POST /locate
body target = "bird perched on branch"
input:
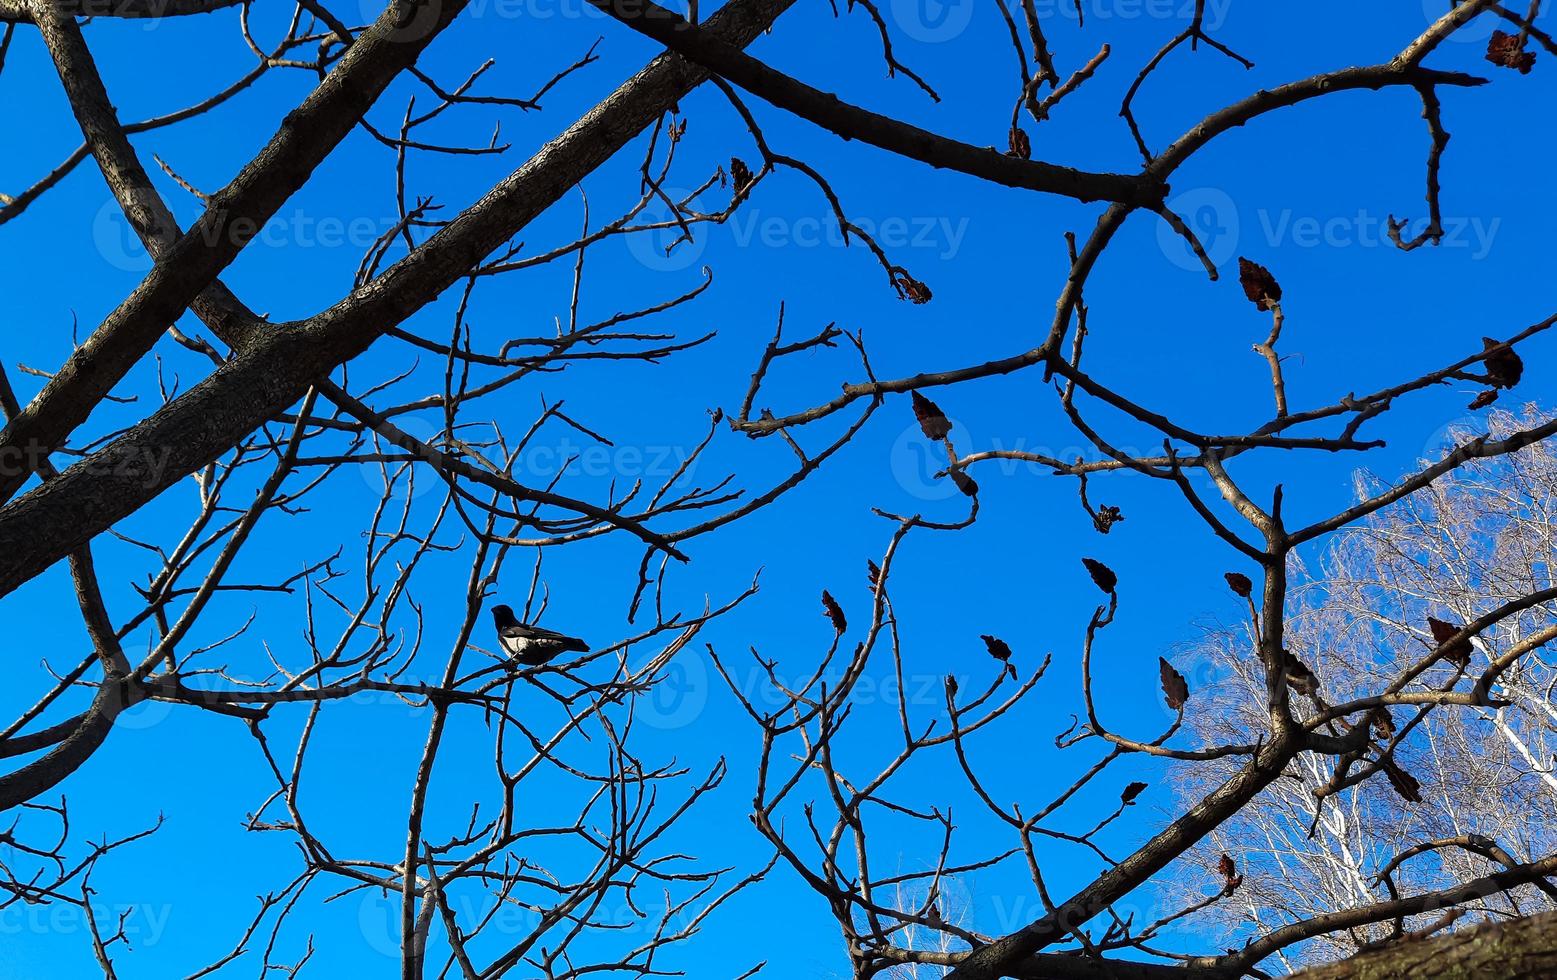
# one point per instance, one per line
(531, 645)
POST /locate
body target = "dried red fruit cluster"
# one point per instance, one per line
(1106, 517)
(1508, 51)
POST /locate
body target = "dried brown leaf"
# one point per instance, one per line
(1021, 147)
(1258, 284)
(1504, 367)
(834, 611)
(1403, 782)
(932, 421)
(1174, 688)
(740, 174)
(912, 289)
(1101, 574)
(1457, 653)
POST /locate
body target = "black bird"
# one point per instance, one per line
(531, 645)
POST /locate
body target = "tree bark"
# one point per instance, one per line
(1520, 949)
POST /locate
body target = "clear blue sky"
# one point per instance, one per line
(1306, 192)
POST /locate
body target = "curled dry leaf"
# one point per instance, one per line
(872, 573)
(1457, 653)
(912, 289)
(1508, 51)
(1383, 724)
(1000, 651)
(834, 611)
(1227, 868)
(997, 647)
(1131, 792)
(1021, 147)
(1258, 284)
(740, 174)
(1101, 574)
(1239, 583)
(1106, 517)
(1231, 879)
(965, 483)
(1403, 782)
(1174, 688)
(1484, 398)
(1504, 367)
(932, 421)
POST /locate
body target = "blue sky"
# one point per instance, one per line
(1305, 192)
